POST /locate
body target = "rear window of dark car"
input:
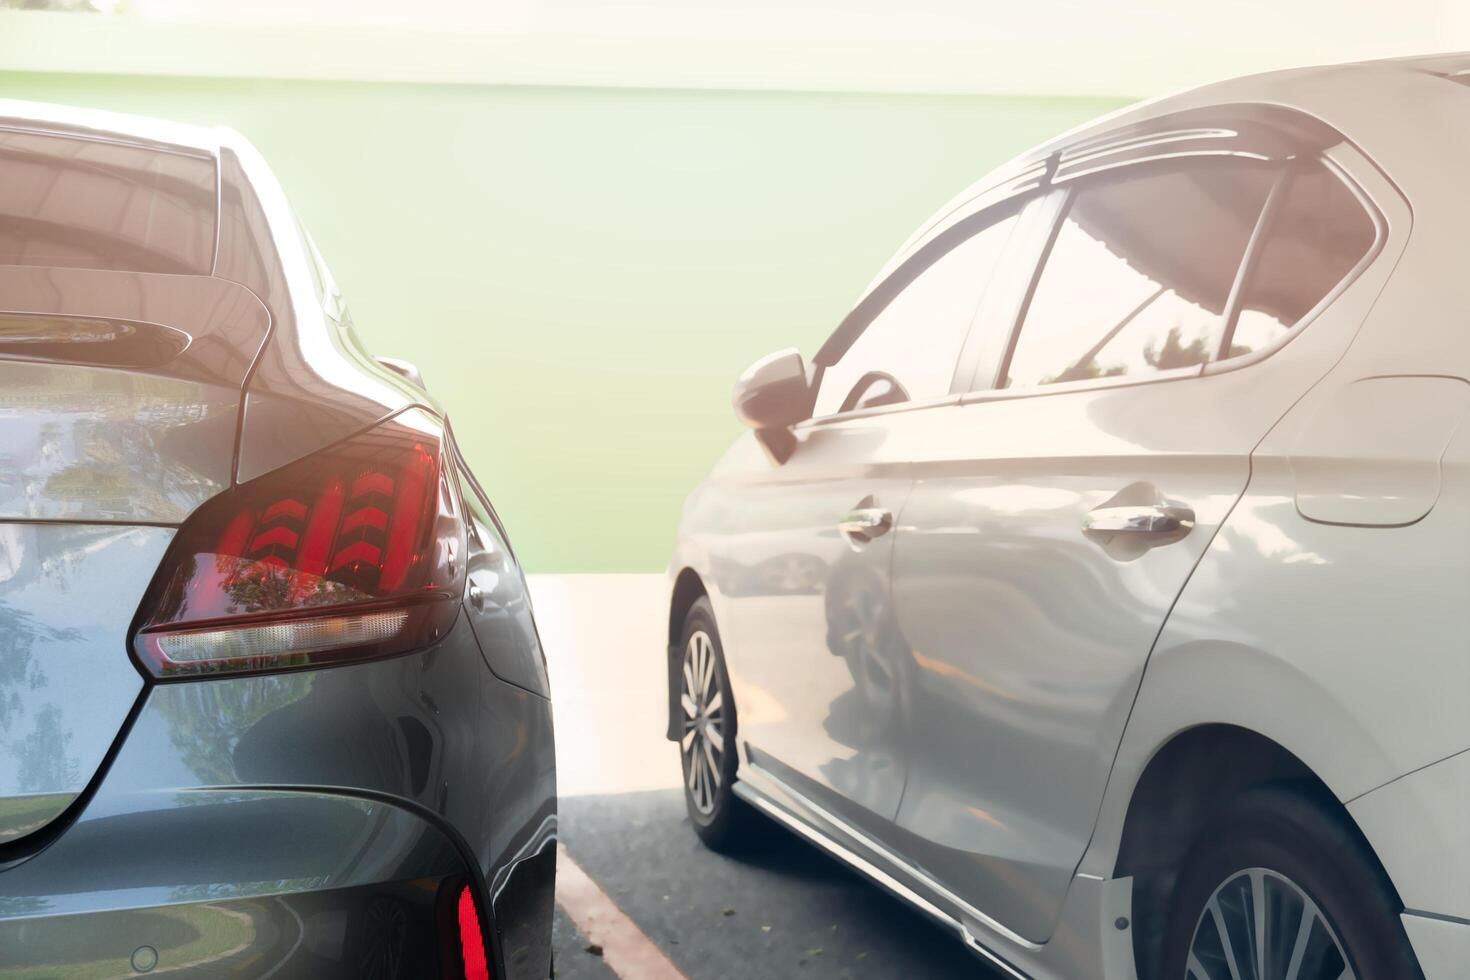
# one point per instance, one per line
(90, 204)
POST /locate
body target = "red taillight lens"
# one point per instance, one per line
(350, 553)
(471, 943)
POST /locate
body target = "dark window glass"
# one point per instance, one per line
(1316, 238)
(1140, 272)
(909, 349)
(87, 204)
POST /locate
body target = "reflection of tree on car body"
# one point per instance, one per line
(872, 716)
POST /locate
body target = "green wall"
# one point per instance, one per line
(582, 273)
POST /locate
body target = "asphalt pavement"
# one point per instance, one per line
(783, 908)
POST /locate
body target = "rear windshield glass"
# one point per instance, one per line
(83, 203)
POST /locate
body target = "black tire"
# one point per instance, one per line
(726, 826)
(1292, 835)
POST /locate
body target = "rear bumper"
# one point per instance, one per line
(1443, 946)
(1419, 826)
(295, 820)
(308, 884)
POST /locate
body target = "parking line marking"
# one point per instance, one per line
(625, 949)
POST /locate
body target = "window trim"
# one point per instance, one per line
(1023, 195)
(1069, 190)
(1380, 239)
(1264, 222)
(1044, 213)
(1262, 130)
(467, 476)
(1255, 131)
(993, 392)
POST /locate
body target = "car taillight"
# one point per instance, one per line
(471, 943)
(351, 553)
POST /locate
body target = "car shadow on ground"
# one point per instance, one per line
(782, 908)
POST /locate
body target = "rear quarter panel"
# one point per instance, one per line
(1342, 638)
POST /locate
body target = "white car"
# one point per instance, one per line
(1102, 587)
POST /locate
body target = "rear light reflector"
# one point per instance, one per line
(471, 943)
(302, 637)
(348, 554)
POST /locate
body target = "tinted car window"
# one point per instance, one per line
(1140, 272)
(915, 339)
(88, 204)
(1316, 238)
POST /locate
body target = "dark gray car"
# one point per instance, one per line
(272, 701)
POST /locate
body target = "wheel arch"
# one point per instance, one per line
(1188, 779)
(688, 589)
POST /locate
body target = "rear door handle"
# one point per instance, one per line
(1154, 520)
(866, 523)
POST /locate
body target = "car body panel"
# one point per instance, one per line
(499, 600)
(435, 728)
(1031, 635)
(1431, 866)
(67, 595)
(1280, 632)
(1326, 595)
(142, 878)
(96, 444)
(1340, 642)
(154, 848)
(802, 609)
(806, 608)
(432, 733)
(149, 441)
(300, 819)
(1028, 638)
(313, 383)
(1086, 945)
(1441, 945)
(1296, 630)
(1364, 466)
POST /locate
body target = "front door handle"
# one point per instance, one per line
(865, 523)
(1153, 520)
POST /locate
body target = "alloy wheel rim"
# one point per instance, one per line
(1261, 925)
(703, 742)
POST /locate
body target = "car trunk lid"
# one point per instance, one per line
(119, 404)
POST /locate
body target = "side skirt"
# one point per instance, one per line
(912, 894)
